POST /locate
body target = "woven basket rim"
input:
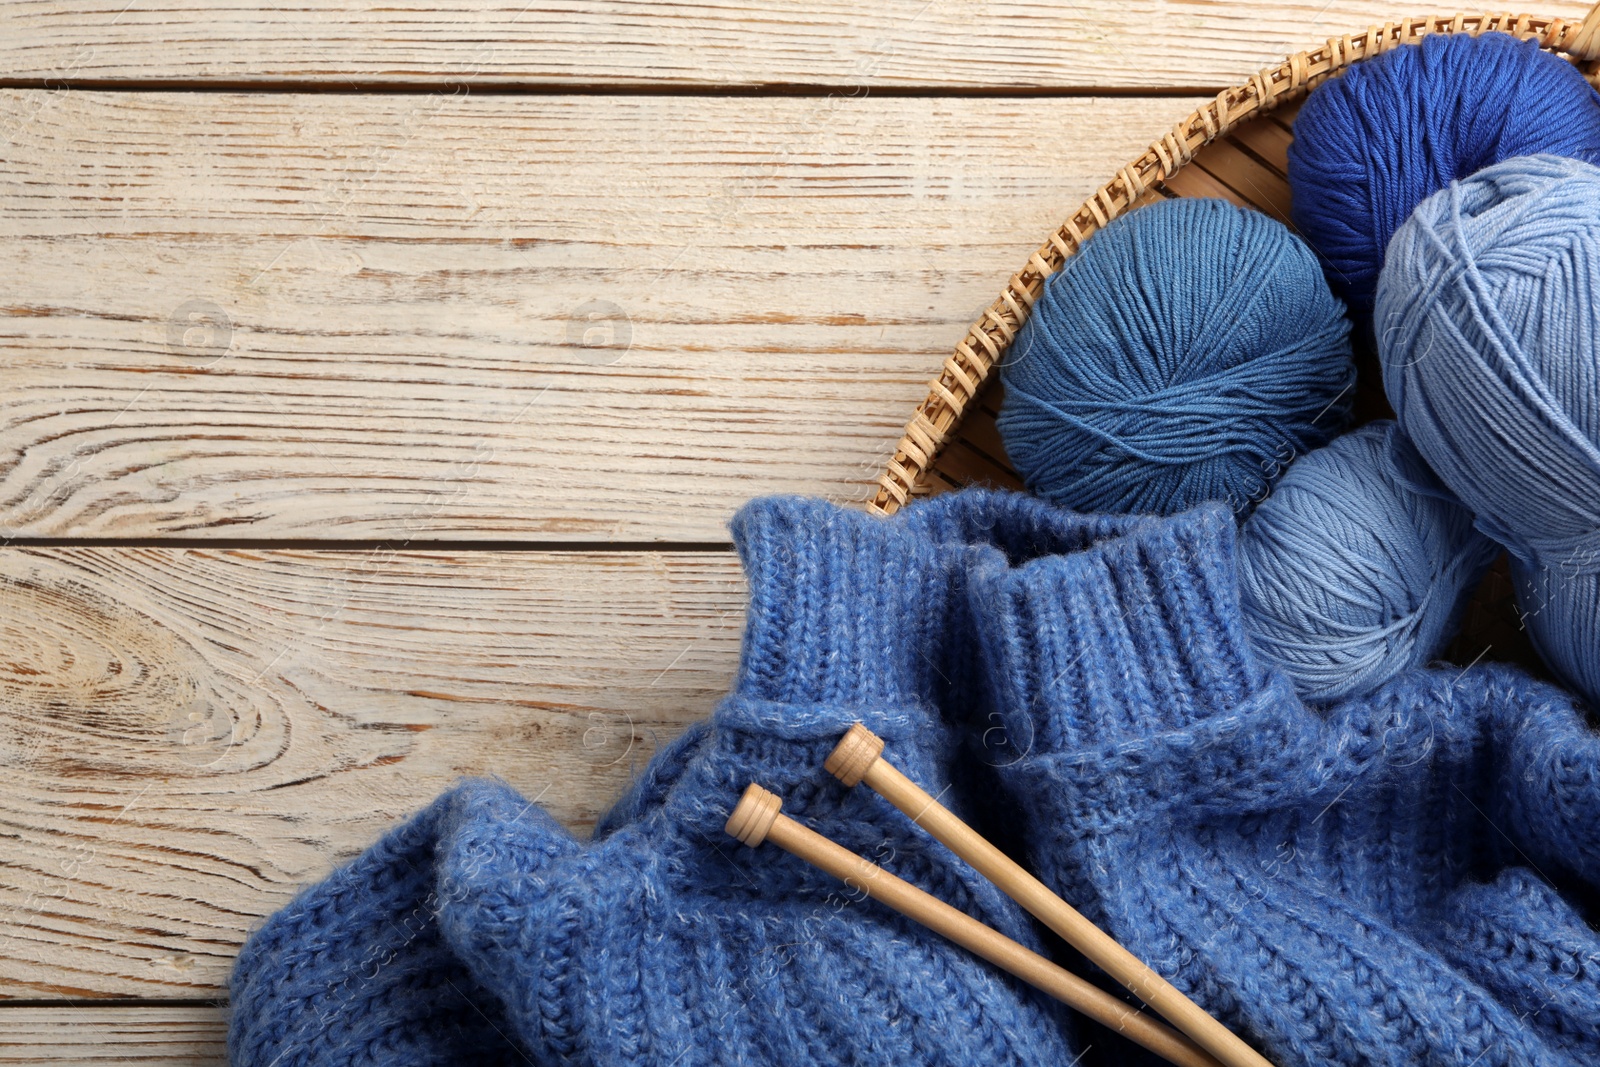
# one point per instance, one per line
(963, 374)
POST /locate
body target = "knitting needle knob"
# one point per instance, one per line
(854, 755)
(754, 815)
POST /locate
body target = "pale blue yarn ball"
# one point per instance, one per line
(1488, 311)
(1186, 354)
(1358, 566)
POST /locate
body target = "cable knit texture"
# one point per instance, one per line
(1406, 879)
(481, 932)
(1372, 884)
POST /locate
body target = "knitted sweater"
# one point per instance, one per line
(1375, 883)
(482, 933)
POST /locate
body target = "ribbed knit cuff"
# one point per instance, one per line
(846, 609)
(1137, 634)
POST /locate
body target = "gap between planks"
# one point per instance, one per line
(691, 90)
(962, 45)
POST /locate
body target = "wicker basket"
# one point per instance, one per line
(1236, 148)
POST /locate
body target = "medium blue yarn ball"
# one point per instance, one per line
(1186, 354)
(1489, 308)
(1358, 566)
(1375, 142)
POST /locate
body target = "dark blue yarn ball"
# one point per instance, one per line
(1186, 354)
(1375, 142)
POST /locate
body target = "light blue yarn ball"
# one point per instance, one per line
(1358, 566)
(1489, 331)
(1185, 354)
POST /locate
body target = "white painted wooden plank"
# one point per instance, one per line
(169, 1035)
(188, 736)
(950, 43)
(413, 317)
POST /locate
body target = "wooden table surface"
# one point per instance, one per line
(378, 380)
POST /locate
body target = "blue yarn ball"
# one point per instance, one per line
(1358, 566)
(1372, 144)
(1490, 314)
(1184, 355)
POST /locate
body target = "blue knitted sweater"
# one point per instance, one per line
(1397, 880)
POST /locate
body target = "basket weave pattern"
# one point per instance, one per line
(967, 369)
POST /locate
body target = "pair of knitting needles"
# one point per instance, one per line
(859, 759)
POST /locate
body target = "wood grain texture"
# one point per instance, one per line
(367, 316)
(1141, 44)
(169, 1035)
(188, 736)
(413, 317)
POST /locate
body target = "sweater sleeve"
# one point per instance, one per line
(848, 618)
(1128, 662)
(1125, 668)
(355, 969)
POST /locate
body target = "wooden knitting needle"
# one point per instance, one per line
(756, 818)
(859, 758)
